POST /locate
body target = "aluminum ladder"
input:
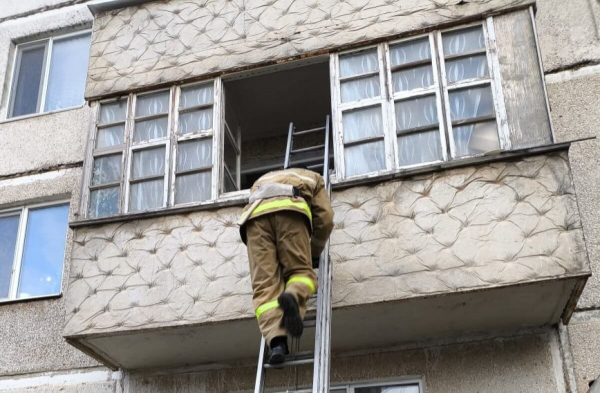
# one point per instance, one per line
(321, 355)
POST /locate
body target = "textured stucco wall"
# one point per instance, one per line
(568, 35)
(163, 41)
(479, 227)
(30, 336)
(516, 364)
(584, 335)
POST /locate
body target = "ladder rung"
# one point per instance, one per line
(315, 166)
(304, 150)
(309, 131)
(310, 324)
(296, 359)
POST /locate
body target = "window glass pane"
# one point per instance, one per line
(466, 68)
(475, 138)
(419, 147)
(461, 41)
(44, 251)
(192, 188)
(194, 155)
(196, 96)
(389, 389)
(68, 70)
(416, 112)
(152, 104)
(412, 78)
(410, 52)
(146, 195)
(150, 162)
(150, 129)
(104, 202)
(230, 186)
(115, 111)
(111, 136)
(359, 63)
(230, 161)
(28, 80)
(469, 103)
(362, 123)
(195, 121)
(9, 227)
(365, 158)
(359, 89)
(107, 169)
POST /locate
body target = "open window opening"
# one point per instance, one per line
(258, 112)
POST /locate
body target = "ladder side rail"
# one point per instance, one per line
(259, 385)
(288, 149)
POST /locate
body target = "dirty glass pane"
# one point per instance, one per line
(148, 130)
(68, 71)
(359, 63)
(230, 162)
(465, 40)
(115, 111)
(475, 138)
(44, 251)
(467, 68)
(473, 102)
(152, 104)
(28, 80)
(414, 388)
(416, 112)
(360, 89)
(104, 202)
(110, 136)
(196, 96)
(146, 195)
(149, 162)
(107, 169)
(419, 148)
(192, 188)
(362, 123)
(412, 78)
(194, 155)
(409, 52)
(415, 77)
(364, 158)
(198, 120)
(9, 227)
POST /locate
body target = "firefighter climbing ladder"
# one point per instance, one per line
(321, 356)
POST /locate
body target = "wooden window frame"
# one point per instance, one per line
(440, 88)
(48, 44)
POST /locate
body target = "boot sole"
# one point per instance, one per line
(276, 359)
(292, 321)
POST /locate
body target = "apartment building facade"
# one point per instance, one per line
(465, 190)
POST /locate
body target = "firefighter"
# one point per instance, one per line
(285, 227)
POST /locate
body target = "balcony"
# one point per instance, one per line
(491, 246)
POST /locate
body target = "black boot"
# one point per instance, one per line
(279, 349)
(292, 321)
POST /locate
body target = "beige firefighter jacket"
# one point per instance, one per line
(297, 190)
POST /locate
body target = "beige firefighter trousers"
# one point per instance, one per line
(279, 255)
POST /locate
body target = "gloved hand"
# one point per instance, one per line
(315, 262)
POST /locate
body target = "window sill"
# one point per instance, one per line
(30, 299)
(378, 177)
(40, 114)
(239, 199)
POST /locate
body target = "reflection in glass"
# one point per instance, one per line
(107, 169)
(464, 40)
(419, 148)
(412, 78)
(110, 136)
(473, 102)
(9, 226)
(104, 202)
(475, 138)
(29, 80)
(43, 252)
(362, 123)
(364, 158)
(115, 111)
(466, 68)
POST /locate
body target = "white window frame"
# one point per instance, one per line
(440, 88)
(351, 387)
(23, 211)
(48, 43)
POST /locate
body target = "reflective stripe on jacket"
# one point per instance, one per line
(311, 200)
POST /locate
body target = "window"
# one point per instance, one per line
(146, 155)
(417, 101)
(389, 387)
(49, 74)
(32, 247)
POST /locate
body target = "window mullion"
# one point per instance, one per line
(18, 258)
(126, 158)
(389, 109)
(439, 95)
(336, 111)
(44, 82)
(218, 145)
(174, 143)
(445, 97)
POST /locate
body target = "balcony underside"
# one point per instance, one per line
(361, 327)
